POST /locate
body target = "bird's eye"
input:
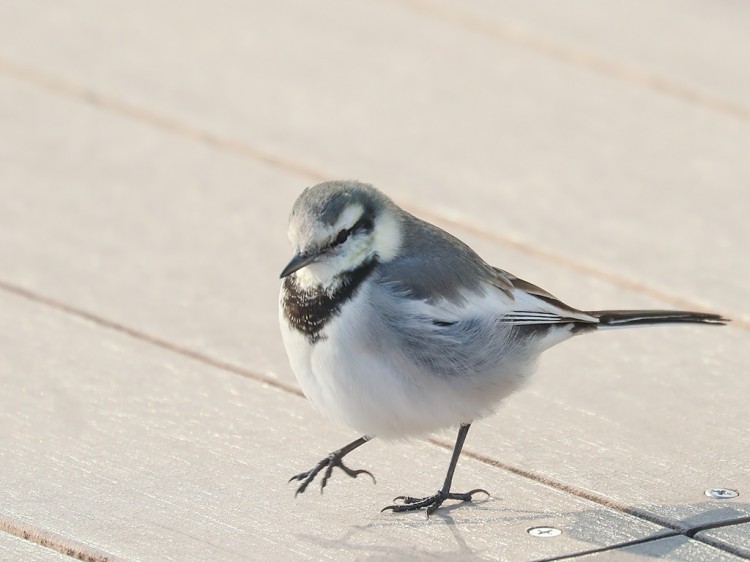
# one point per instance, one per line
(341, 237)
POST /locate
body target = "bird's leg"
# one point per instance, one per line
(329, 463)
(435, 501)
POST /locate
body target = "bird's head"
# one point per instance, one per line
(337, 226)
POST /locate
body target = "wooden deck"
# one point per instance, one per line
(149, 155)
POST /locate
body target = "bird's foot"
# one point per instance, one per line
(329, 463)
(432, 503)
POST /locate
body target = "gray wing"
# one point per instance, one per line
(452, 340)
(455, 314)
(435, 266)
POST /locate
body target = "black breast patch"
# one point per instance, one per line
(309, 310)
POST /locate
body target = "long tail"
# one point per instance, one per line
(627, 318)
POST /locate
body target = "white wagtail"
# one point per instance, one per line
(396, 329)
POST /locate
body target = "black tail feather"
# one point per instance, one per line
(623, 318)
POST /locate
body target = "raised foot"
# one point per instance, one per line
(329, 463)
(432, 503)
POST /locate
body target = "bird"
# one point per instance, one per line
(397, 329)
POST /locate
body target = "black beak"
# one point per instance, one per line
(298, 262)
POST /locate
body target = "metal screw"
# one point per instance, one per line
(722, 493)
(544, 532)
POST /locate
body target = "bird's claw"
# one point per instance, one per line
(432, 503)
(329, 463)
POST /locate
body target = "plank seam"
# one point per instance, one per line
(575, 56)
(563, 487)
(717, 543)
(717, 525)
(610, 547)
(144, 337)
(54, 541)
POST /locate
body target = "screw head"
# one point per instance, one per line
(722, 493)
(544, 532)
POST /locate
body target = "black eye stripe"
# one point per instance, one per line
(363, 224)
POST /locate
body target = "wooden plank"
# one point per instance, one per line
(634, 41)
(734, 538)
(670, 548)
(15, 548)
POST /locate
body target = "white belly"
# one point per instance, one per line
(368, 384)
